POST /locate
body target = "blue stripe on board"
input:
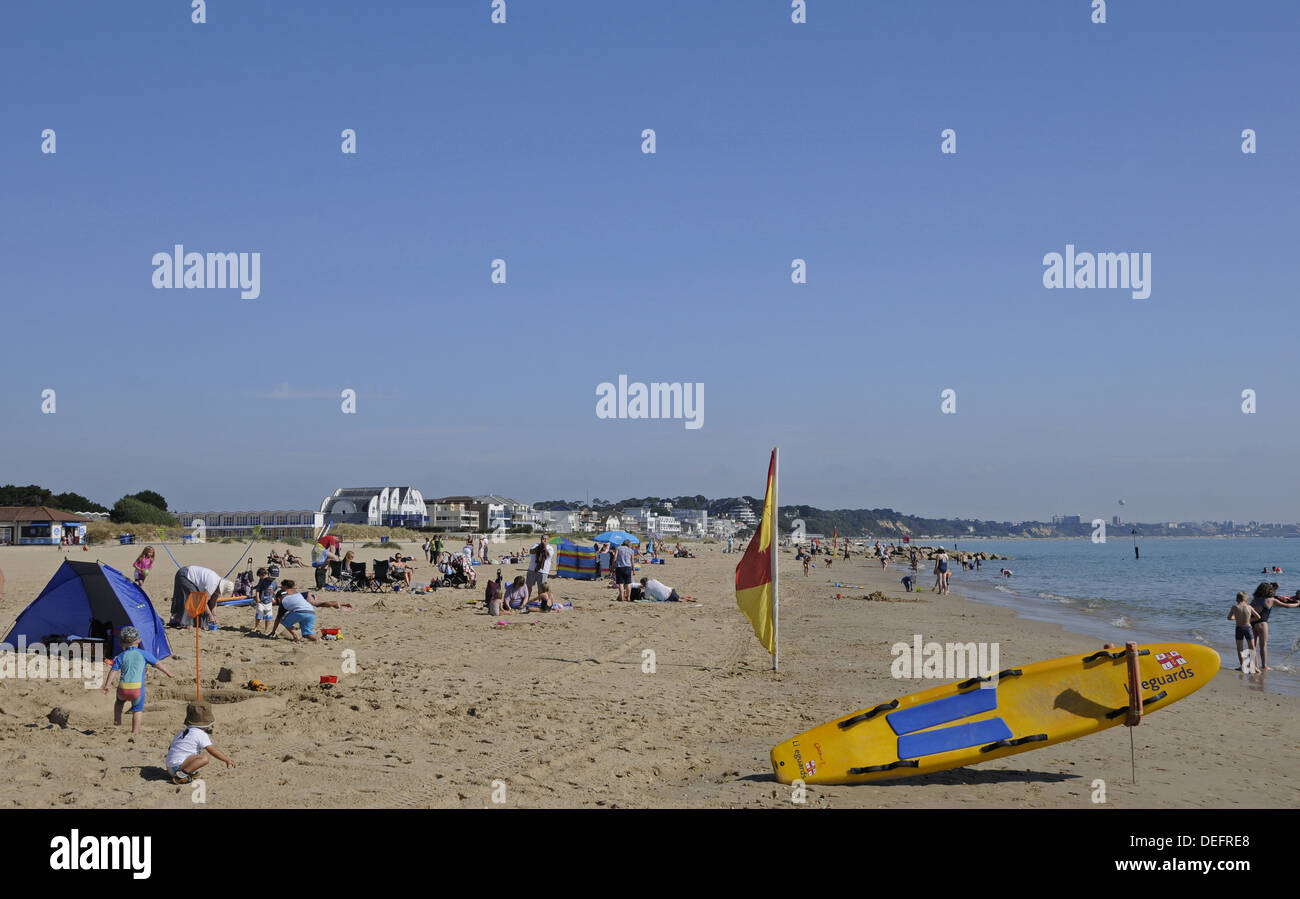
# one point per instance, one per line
(941, 711)
(949, 738)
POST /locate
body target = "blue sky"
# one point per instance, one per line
(775, 141)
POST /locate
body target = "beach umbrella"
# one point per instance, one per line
(616, 537)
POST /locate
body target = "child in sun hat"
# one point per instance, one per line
(185, 754)
(131, 662)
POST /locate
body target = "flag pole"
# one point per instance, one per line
(776, 529)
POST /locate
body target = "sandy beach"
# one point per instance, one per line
(559, 708)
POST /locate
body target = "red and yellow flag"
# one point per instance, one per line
(754, 587)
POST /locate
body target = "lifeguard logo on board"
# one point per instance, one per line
(1163, 679)
(810, 766)
(798, 756)
(1171, 659)
(78, 853)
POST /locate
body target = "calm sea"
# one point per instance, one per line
(1180, 589)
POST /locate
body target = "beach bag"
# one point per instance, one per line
(319, 554)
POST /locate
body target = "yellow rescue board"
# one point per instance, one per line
(977, 721)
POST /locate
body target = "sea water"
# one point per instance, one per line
(1179, 590)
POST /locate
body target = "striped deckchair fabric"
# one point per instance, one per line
(572, 560)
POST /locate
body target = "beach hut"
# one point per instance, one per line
(575, 561)
(90, 601)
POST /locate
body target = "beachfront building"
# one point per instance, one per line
(452, 518)
(724, 528)
(275, 524)
(561, 521)
(492, 513)
(665, 526)
(39, 526)
(743, 513)
(694, 522)
(590, 522)
(376, 506)
(488, 513)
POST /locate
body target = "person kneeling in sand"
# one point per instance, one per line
(185, 755)
(297, 609)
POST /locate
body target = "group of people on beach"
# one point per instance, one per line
(1250, 616)
(191, 748)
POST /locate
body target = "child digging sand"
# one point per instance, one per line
(1242, 614)
(131, 662)
(185, 754)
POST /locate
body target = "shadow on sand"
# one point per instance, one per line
(954, 777)
(150, 772)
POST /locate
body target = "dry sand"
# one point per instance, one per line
(557, 706)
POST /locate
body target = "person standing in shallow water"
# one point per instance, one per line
(1263, 603)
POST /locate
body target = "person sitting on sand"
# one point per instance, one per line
(132, 662)
(546, 600)
(492, 595)
(274, 558)
(516, 595)
(300, 610)
(292, 561)
(1263, 602)
(1243, 614)
(185, 754)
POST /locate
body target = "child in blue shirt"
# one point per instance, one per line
(131, 662)
(264, 597)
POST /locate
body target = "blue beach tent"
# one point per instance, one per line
(90, 600)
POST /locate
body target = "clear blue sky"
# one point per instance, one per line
(775, 141)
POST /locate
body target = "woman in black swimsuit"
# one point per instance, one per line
(1263, 602)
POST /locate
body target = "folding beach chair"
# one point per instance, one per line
(383, 577)
(359, 579)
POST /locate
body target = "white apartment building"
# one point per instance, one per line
(693, 521)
